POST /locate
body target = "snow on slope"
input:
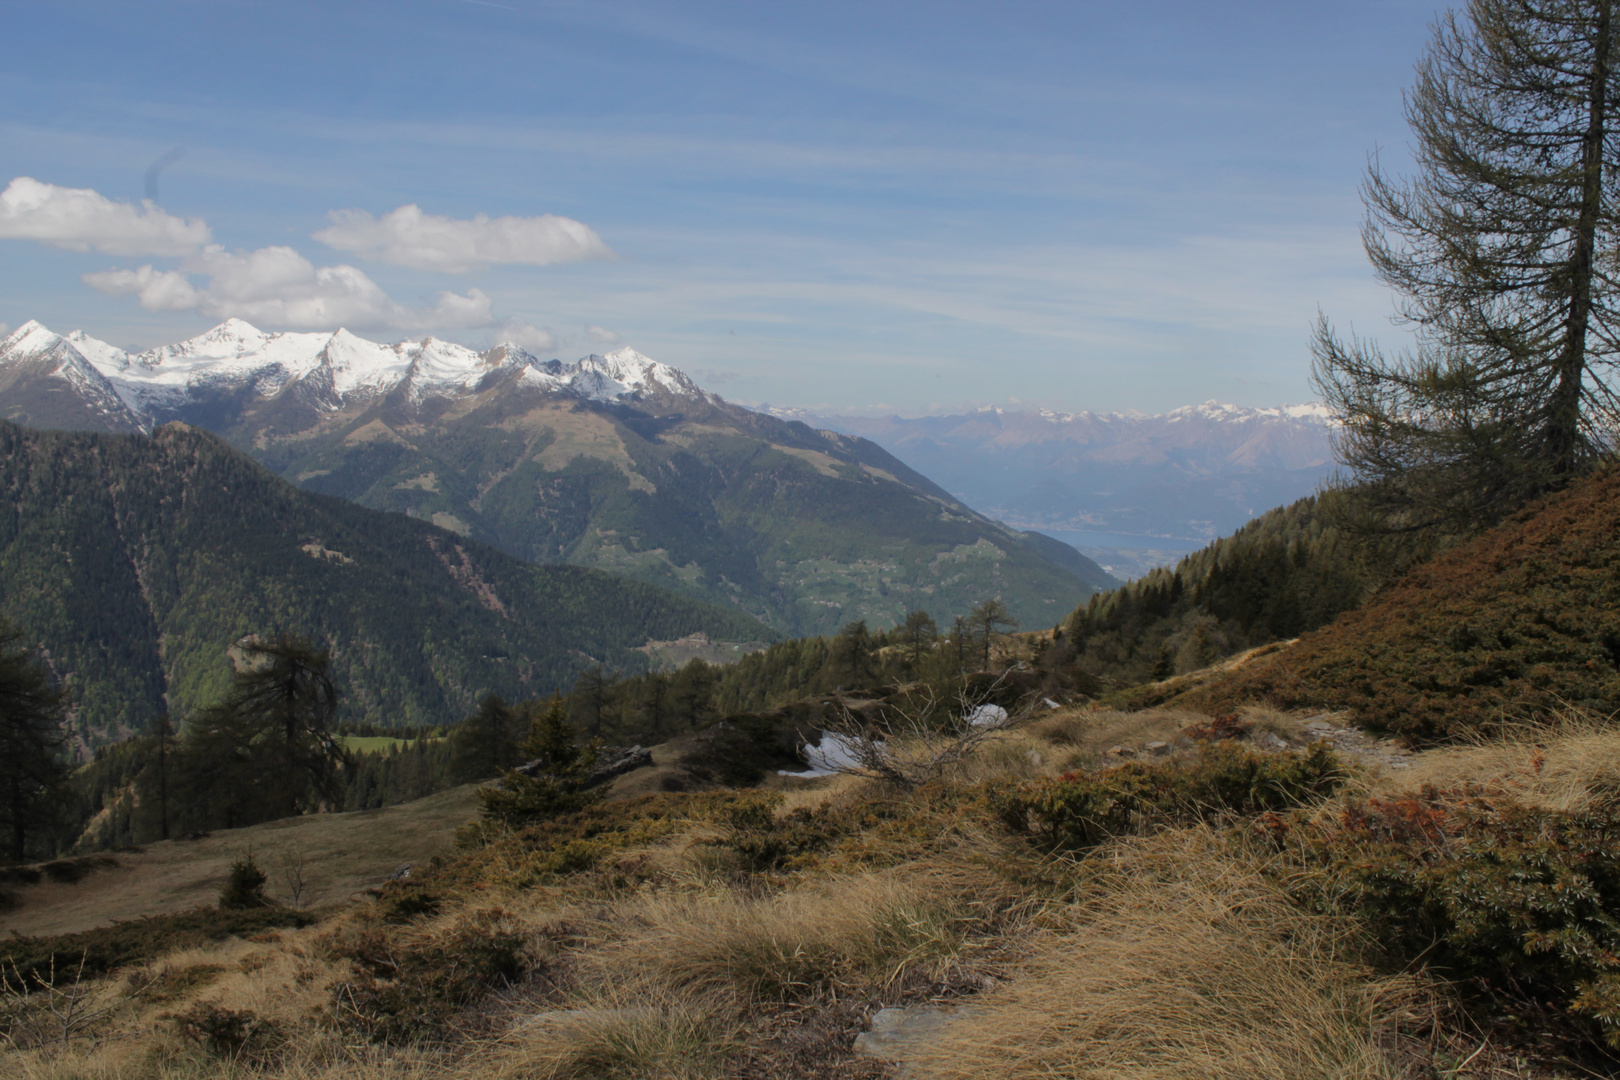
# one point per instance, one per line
(339, 367)
(57, 357)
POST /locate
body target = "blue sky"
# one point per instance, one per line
(835, 205)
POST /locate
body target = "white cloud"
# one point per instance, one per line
(601, 336)
(278, 286)
(81, 219)
(526, 335)
(157, 290)
(408, 237)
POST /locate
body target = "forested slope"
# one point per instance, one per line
(1288, 571)
(135, 562)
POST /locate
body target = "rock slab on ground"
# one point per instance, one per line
(899, 1035)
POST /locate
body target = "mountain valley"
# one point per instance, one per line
(1131, 491)
(615, 462)
(135, 562)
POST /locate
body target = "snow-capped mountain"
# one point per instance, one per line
(51, 380)
(616, 462)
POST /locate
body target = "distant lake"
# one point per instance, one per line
(1124, 540)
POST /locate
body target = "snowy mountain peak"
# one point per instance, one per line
(625, 371)
(31, 339)
(1227, 413)
(337, 369)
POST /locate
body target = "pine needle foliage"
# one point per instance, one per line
(1502, 249)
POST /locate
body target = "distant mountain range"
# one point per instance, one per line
(616, 462)
(1113, 483)
(135, 562)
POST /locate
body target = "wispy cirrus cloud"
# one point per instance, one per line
(81, 219)
(408, 237)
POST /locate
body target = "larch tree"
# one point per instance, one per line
(1505, 250)
(986, 621)
(31, 739)
(267, 749)
(487, 741)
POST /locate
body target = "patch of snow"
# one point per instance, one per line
(986, 716)
(834, 753)
(340, 367)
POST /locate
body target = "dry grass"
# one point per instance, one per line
(1184, 963)
(343, 853)
(1566, 764)
(1172, 957)
(617, 1037)
(834, 790)
(1287, 726)
(1096, 731)
(860, 932)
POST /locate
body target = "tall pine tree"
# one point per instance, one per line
(1505, 249)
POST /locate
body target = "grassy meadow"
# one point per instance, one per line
(1204, 931)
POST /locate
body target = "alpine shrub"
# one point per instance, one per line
(404, 990)
(1518, 903)
(244, 888)
(1077, 811)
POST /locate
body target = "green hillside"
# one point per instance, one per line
(135, 562)
(806, 530)
(1288, 571)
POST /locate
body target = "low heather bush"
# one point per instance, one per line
(1520, 904)
(1078, 811)
(40, 960)
(407, 987)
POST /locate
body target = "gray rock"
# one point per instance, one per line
(900, 1034)
(611, 761)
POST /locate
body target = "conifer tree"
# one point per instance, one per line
(486, 742)
(917, 634)
(594, 699)
(31, 742)
(267, 749)
(692, 692)
(986, 621)
(853, 650)
(1505, 249)
(553, 780)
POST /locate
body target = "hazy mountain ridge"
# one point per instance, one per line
(616, 461)
(1191, 475)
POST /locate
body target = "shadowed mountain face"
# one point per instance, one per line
(615, 462)
(135, 562)
(1188, 476)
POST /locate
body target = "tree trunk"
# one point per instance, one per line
(1564, 408)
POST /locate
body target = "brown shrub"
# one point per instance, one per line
(1521, 621)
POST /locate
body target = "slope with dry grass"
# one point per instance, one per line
(1519, 622)
(739, 934)
(325, 858)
